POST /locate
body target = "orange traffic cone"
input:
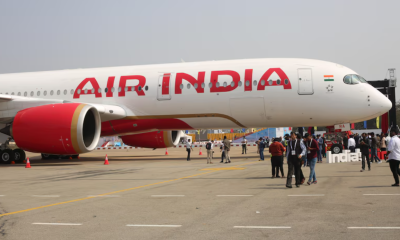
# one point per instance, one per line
(106, 161)
(200, 153)
(28, 164)
(12, 162)
(166, 151)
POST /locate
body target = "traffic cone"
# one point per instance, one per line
(106, 161)
(28, 164)
(12, 162)
(166, 151)
(200, 153)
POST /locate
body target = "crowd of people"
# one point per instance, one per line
(308, 150)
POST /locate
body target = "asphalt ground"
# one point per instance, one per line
(144, 194)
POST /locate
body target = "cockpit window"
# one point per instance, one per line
(353, 79)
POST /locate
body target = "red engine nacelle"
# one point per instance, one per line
(158, 139)
(65, 128)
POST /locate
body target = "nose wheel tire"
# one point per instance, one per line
(6, 156)
(336, 149)
(19, 155)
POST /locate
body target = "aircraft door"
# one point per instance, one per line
(163, 87)
(305, 81)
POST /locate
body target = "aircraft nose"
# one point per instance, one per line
(385, 103)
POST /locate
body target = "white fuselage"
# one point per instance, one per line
(308, 97)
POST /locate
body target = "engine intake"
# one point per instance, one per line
(65, 128)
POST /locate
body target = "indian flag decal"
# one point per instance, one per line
(328, 78)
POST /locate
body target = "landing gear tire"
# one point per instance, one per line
(336, 149)
(19, 155)
(6, 156)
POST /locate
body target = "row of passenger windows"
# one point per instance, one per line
(233, 84)
(52, 92)
(353, 79)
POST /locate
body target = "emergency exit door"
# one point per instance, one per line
(305, 81)
(163, 87)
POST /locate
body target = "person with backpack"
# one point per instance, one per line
(227, 148)
(209, 147)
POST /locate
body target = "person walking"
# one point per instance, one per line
(312, 149)
(261, 146)
(352, 144)
(209, 147)
(374, 150)
(320, 142)
(394, 155)
(295, 151)
(222, 154)
(244, 145)
(227, 148)
(188, 149)
(276, 149)
(364, 148)
(383, 143)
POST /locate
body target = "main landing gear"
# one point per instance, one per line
(7, 155)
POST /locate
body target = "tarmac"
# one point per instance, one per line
(144, 194)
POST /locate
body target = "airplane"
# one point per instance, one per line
(66, 112)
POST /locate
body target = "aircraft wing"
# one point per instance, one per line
(10, 105)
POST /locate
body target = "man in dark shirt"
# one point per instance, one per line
(357, 139)
(364, 148)
(312, 151)
(276, 149)
(346, 141)
(261, 146)
(295, 150)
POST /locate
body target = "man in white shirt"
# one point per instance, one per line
(352, 144)
(394, 155)
(188, 149)
(244, 145)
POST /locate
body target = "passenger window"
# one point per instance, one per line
(25, 94)
(233, 84)
(112, 89)
(247, 83)
(181, 86)
(188, 86)
(263, 82)
(119, 89)
(19, 93)
(240, 83)
(286, 82)
(278, 82)
(44, 93)
(105, 90)
(51, 92)
(38, 93)
(65, 92)
(217, 84)
(195, 86)
(202, 86)
(58, 92)
(210, 85)
(270, 82)
(255, 83)
(32, 93)
(12, 93)
(99, 90)
(72, 91)
(225, 84)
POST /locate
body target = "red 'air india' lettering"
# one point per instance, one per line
(284, 80)
(95, 85)
(122, 85)
(191, 80)
(248, 76)
(110, 84)
(214, 79)
(165, 84)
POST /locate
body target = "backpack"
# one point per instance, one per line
(208, 146)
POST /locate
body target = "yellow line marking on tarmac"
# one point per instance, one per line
(219, 169)
(111, 193)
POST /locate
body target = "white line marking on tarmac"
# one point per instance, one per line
(374, 228)
(266, 227)
(45, 195)
(307, 195)
(167, 195)
(104, 196)
(59, 224)
(395, 194)
(235, 195)
(140, 225)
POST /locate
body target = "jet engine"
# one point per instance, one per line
(157, 139)
(64, 128)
